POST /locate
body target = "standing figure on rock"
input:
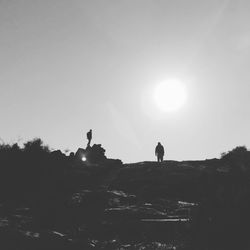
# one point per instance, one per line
(89, 137)
(159, 152)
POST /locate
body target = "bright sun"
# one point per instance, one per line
(170, 95)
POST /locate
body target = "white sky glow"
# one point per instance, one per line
(70, 66)
(170, 95)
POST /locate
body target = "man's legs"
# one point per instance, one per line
(161, 158)
(158, 158)
(89, 141)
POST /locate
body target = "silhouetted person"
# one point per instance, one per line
(89, 137)
(159, 152)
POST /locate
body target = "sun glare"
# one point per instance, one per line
(170, 95)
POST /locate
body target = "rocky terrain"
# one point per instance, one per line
(52, 201)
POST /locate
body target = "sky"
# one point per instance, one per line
(67, 66)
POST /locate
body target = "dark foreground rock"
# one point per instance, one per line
(51, 201)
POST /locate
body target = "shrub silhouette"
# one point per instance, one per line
(36, 145)
(237, 159)
(29, 172)
(236, 152)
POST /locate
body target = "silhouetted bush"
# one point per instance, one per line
(237, 152)
(238, 159)
(29, 171)
(36, 146)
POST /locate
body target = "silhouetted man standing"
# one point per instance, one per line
(159, 152)
(89, 137)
